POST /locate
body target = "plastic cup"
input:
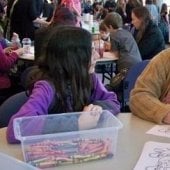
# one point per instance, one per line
(26, 42)
(99, 47)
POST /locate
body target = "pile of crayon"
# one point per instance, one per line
(50, 153)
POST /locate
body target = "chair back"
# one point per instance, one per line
(130, 79)
(11, 106)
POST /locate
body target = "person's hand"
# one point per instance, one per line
(92, 107)
(107, 46)
(90, 117)
(167, 119)
(8, 50)
(19, 51)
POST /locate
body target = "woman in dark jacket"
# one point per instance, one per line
(148, 36)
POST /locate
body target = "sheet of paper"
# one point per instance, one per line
(160, 130)
(155, 156)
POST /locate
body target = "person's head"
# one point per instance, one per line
(140, 17)
(103, 31)
(164, 8)
(120, 3)
(113, 21)
(134, 3)
(66, 63)
(64, 16)
(140, 20)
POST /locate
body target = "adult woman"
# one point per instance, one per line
(63, 82)
(148, 36)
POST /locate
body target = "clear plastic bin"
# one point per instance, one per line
(10, 163)
(52, 140)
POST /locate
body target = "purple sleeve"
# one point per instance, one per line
(37, 104)
(7, 61)
(106, 99)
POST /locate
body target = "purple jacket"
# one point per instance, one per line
(43, 94)
(6, 62)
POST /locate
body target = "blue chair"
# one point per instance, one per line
(129, 82)
(11, 106)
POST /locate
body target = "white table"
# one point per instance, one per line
(108, 59)
(30, 56)
(131, 140)
(107, 56)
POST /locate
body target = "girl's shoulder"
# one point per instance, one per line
(44, 85)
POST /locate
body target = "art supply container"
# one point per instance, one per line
(10, 163)
(53, 140)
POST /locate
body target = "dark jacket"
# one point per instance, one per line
(152, 42)
(24, 13)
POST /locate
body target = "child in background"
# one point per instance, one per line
(65, 81)
(122, 45)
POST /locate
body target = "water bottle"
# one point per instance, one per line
(26, 43)
(15, 41)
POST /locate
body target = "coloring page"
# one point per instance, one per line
(155, 156)
(160, 130)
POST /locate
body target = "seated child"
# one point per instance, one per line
(122, 44)
(65, 81)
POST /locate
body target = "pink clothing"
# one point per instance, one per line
(74, 5)
(6, 62)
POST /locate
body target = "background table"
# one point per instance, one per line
(106, 65)
(131, 140)
(29, 56)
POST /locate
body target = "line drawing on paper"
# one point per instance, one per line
(164, 130)
(163, 156)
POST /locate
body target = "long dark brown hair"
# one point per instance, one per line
(65, 65)
(143, 14)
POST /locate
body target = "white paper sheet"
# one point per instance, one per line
(155, 156)
(160, 130)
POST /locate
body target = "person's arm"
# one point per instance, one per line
(104, 98)
(37, 104)
(146, 97)
(7, 60)
(115, 45)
